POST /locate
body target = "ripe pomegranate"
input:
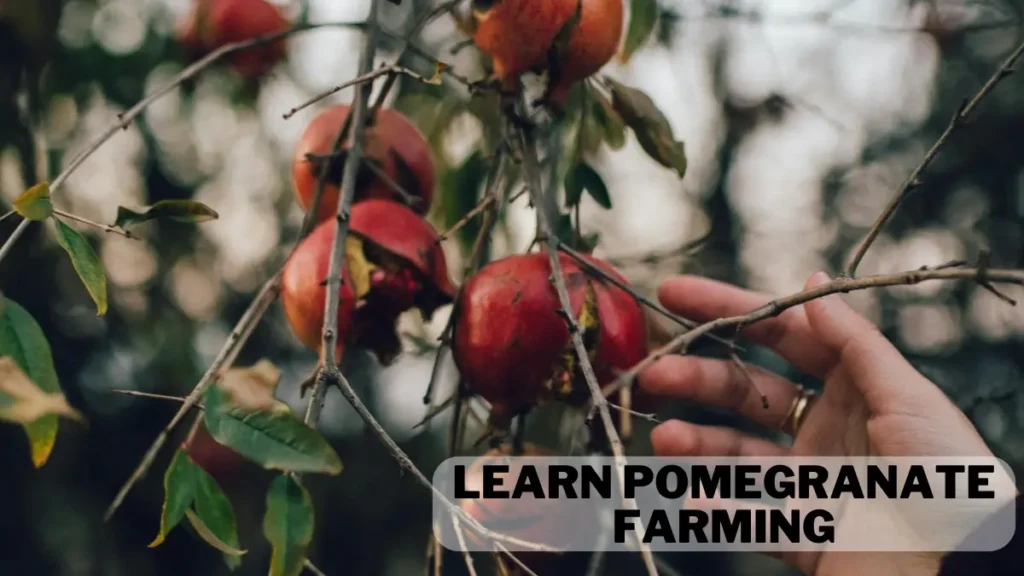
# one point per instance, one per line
(214, 23)
(391, 141)
(395, 253)
(541, 521)
(393, 263)
(303, 292)
(518, 34)
(512, 345)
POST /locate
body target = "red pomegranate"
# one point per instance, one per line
(394, 143)
(404, 268)
(393, 263)
(303, 291)
(512, 345)
(214, 23)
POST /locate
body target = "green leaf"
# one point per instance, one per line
(179, 492)
(650, 126)
(23, 340)
(214, 513)
(611, 123)
(271, 436)
(288, 525)
(34, 203)
(187, 211)
(86, 263)
(643, 15)
(584, 177)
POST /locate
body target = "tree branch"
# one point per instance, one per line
(958, 120)
(531, 169)
(328, 349)
(839, 285)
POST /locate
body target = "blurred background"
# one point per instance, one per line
(800, 118)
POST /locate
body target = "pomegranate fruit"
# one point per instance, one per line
(394, 143)
(519, 34)
(512, 345)
(397, 264)
(393, 263)
(303, 291)
(214, 23)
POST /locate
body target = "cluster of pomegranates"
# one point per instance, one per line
(524, 36)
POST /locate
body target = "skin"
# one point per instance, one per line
(874, 402)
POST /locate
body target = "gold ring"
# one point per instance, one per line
(798, 410)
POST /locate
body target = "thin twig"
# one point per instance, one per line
(959, 119)
(495, 191)
(104, 227)
(168, 397)
(466, 219)
(462, 545)
(839, 285)
(10, 213)
(330, 336)
(386, 69)
(125, 119)
(597, 271)
(528, 149)
(225, 358)
(309, 566)
(406, 196)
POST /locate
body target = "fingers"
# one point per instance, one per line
(789, 334)
(678, 438)
(873, 363)
(723, 384)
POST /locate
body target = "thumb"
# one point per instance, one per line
(875, 366)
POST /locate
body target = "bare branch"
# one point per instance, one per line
(462, 544)
(386, 69)
(167, 397)
(328, 349)
(312, 569)
(466, 219)
(959, 119)
(225, 358)
(531, 169)
(839, 285)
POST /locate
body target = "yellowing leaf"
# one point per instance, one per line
(22, 340)
(206, 534)
(359, 268)
(438, 77)
(34, 203)
(253, 388)
(86, 263)
(23, 402)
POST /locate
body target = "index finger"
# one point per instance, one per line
(789, 334)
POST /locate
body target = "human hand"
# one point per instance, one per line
(873, 402)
